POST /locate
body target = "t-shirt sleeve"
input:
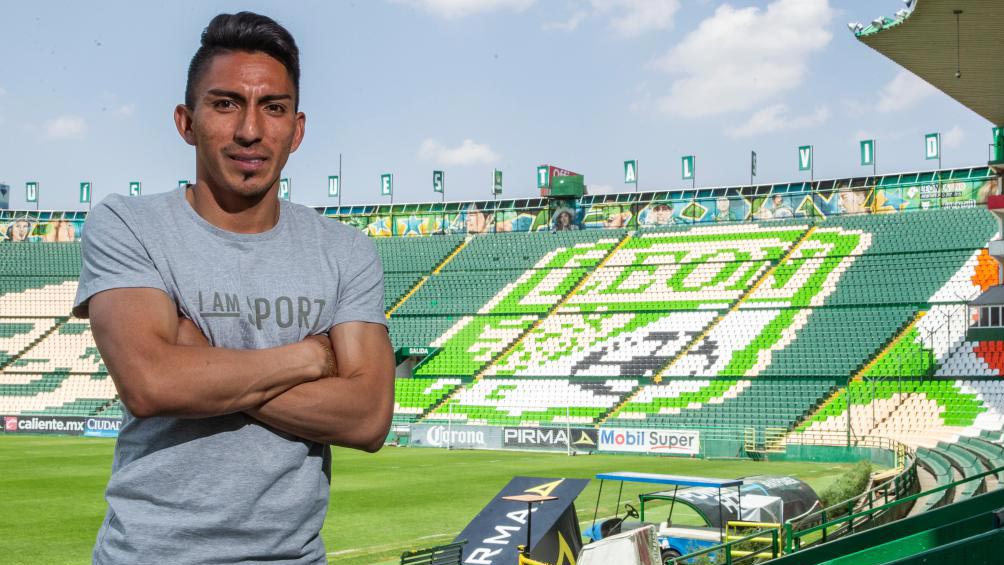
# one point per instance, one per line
(112, 255)
(360, 291)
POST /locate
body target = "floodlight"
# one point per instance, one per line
(878, 22)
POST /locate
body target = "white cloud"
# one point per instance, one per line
(739, 58)
(126, 110)
(904, 91)
(631, 18)
(627, 18)
(456, 9)
(952, 138)
(467, 153)
(776, 118)
(571, 24)
(65, 127)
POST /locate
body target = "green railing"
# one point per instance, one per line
(449, 554)
(902, 483)
(895, 488)
(731, 552)
(746, 549)
(793, 539)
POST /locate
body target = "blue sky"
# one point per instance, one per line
(87, 92)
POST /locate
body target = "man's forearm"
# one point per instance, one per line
(350, 412)
(196, 382)
(163, 365)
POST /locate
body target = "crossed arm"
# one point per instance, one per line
(336, 389)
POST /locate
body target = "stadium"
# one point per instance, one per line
(789, 329)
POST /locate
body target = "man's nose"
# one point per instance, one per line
(249, 128)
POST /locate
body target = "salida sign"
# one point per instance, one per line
(650, 441)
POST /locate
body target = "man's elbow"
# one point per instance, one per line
(141, 403)
(145, 398)
(376, 433)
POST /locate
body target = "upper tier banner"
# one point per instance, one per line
(884, 195)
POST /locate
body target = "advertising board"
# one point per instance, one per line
(665, 442)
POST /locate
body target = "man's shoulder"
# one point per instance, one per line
(134, 205)
(309, 218)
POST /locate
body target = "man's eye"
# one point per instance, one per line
(223, 104)
(276, 108)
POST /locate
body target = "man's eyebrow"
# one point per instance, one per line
(240, 97)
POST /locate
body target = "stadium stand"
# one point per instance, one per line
(765, 324)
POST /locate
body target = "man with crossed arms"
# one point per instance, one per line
(244, 334)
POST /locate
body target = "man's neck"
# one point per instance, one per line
(232, 213)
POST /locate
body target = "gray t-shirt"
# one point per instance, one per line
(226, 489)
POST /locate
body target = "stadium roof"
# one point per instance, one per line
(994, 296)
(924, 40)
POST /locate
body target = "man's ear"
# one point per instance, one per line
(183, 121)
(301, 126)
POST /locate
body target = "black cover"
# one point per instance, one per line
(797, 497)
(494, 534)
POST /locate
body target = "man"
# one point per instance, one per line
(661, 215)
(244, 334)
(723, 209)
(781, 210)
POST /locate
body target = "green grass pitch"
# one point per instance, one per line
(382, 504)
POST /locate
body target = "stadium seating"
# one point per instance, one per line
(533, 402)
(406, 260)
(413, 397)
(730, 325)
(722, 403)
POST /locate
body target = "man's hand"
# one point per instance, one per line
(324, 342)
(353, 410)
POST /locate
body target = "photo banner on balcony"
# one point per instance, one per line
(420, 223)
(663, 211)
(566, 215)
(28, 228)
(488, 217)
(674, 209)
(521, 220)
(783, 206)
(607, 215)
(943, 194)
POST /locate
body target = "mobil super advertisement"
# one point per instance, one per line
(667, 442)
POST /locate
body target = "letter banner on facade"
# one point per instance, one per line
(553, 439)
(492, 536)
(668, 442)
(456, 437)
(62, 425)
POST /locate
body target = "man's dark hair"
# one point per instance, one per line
(244, 31)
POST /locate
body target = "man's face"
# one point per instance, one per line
(243, 125)
(663, 213)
